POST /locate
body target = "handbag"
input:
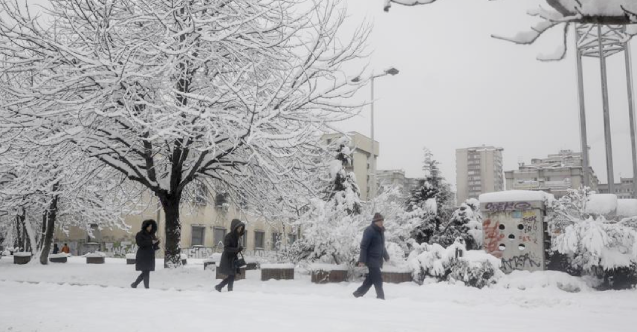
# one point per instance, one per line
(240, 262)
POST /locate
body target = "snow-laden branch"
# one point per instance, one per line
(563, 13)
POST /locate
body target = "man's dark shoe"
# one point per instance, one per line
(357, 294)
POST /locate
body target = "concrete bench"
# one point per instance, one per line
(21, 258)
(397, 277)
(325, 273)
(58, 258)
(237, 276)
(277, 272)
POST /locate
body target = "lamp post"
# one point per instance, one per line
(371, 185)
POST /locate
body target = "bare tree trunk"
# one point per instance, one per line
(172, 251)
(51, 215)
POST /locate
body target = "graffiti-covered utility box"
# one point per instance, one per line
(514, 229)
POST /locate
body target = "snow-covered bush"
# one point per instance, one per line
(588, 244)
(454, 263)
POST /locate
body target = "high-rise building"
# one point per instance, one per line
(478, 171)
(362, 164)
(555, 174)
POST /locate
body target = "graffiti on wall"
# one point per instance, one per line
(521, 262)
(492, 237)
(516, 237)
(507, 206)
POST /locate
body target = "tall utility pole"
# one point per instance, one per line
(602, 42)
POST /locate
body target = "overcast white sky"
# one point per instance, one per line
(458, 88)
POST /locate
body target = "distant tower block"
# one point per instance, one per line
(603, 41)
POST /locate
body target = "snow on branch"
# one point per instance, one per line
(564, 13)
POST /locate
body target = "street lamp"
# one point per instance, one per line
(371, 185)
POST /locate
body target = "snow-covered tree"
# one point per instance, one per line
(228, 93)
(331, 225)
(431, 201)
(465, 223)
(53, 187)
(562, 14)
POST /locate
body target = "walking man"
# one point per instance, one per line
(372, 254)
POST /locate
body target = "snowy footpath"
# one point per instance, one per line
(75, 297)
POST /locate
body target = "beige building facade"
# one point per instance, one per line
(478, 171)
(362, 162)
(203, 227)
(555, 174)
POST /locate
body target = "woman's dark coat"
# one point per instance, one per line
(145, 258)
(231, 249)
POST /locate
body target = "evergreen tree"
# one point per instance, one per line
(465, 223)
(432, 200)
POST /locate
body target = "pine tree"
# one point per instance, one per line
(432, 200)
(465, 223)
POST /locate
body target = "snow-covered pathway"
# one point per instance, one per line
(184, 300)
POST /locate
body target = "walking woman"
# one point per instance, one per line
(145, 259)
(231, 250)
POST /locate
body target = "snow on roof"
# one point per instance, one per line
(627, 207)
(514, 196)
(602, 204)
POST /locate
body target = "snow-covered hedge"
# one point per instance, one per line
(455, 264)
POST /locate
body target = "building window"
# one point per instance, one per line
(219, 234)
(291, 238)
(197, 236)
(259, 238)
(276, 241)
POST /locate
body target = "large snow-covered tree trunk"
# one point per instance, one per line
(51, 215)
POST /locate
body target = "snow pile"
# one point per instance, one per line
(515, 196)
(602, 204)
(627, 207)
(95, 254)
(455, 264)
(597, 7)
(131, 256)
(22, 254)
(284, 266)
(525, 280)
(183, 256)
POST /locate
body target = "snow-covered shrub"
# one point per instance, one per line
(454, 263)
(591, 245)
(602, 249)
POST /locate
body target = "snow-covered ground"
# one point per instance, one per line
(75, 297)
